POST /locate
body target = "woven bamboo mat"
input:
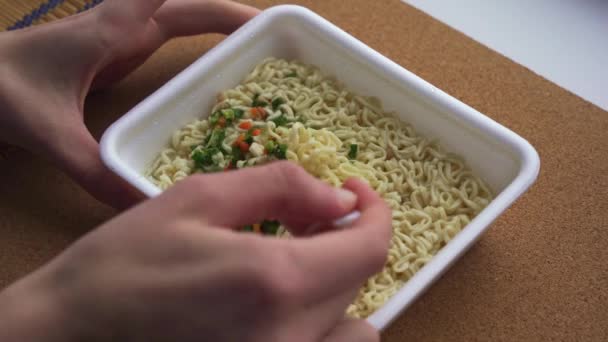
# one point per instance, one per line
(16, 14)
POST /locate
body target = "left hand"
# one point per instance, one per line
(46, 72)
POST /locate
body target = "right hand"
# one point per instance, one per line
(175, 269)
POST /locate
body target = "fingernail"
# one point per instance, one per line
(347, 198)
(347, 220)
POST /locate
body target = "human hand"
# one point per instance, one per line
(180, 272)
(46, 72)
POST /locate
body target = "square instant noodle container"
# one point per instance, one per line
(504, 160)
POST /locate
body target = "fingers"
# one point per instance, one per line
(324, 316)
(77, 153)
(138, 10)
(190, 17)
(353, 330)
(280, 190)
(328, 263)
(174, 18)
(128, 56)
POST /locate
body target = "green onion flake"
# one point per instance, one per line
(249, 136)
(281, 151)
(238, 113)
(270, 227)
(276, 103)
(216, 138)
(237, 155)
(228, 114)
(214, 118)
(271, 146)
(352, 154)
(257, 103)
(203, 158)
(203, 155)
(280, 120)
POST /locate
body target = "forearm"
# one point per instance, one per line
(30, 312)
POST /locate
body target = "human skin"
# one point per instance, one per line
(174, 267)
(46, 72)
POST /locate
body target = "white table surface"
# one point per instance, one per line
(565, 41)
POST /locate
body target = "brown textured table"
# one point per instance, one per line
(539, 274)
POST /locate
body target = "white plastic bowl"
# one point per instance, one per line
(507, 162)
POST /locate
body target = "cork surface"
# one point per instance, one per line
(540, 273)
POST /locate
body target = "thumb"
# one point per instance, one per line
(136, 10)
(191, 17)
(353, 330)
(77, 153)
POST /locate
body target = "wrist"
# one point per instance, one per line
(30, 310)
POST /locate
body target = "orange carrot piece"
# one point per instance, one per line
(244, 146)
(258, 113)
(239, 140)
(257, 228)
(221, 122)
(245, 125)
